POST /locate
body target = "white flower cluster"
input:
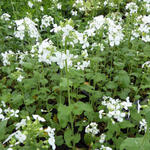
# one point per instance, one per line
(47, 53)
(142, 28)
(102, 138)
(113, 33)
(19, 56)
(30, 4)
(92, 128)
(59, 6)
(21, 136)
(46, 21)
(96, 24)
(6, 57)
(39, 118)
(51, 139)
(115, 108)
(20, 124)
(74, 12)
(145, 28)
(7, 113)
(80, 5)
(145, 4)
(18, 135)
(26, 25)
(143, 125)
(73, 37)
(110, 3)
(5, 17)
(132, 7)
(99, 45)
(20, 77)
(81, 66)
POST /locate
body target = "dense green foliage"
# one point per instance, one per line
(74, 74)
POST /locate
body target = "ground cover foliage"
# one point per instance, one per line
(74, 74)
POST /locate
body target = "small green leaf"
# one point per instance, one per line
(79, 107)
(126, 124)
(59, 140)
(68, 137)
(88, 139)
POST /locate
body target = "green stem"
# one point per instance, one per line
(69, 100)
(13, 9)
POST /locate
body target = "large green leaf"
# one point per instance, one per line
(135, 144)
(79, 107)
(64, 113)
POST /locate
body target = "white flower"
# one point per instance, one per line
(9, 149)
(20, 124)
(19, 79)
(56, 28)
(51, 139)
(115, 107)
(1, 110)
(105, 148)
(5, 17)
(147, 64)
(59, 6)
(102, 138)
(126, 104)
(3, 103)
(30, 4)
(100, 113)
(92, 128)
(21, 137)
(39, 118)
(26, 24)
(6, 56)
(46, 21)
(2, 117)
(143, 125)
(85, 53)
(74, 13)
(41, 8)
(138, 106)
(132, 7)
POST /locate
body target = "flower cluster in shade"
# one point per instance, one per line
(92, 128)
(6, 112)
(21, 134)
